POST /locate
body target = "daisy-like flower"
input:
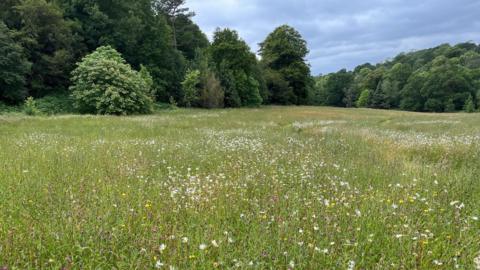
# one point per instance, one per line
(162, 247)
(202, 246)
(477, 262)
(184, 240)
(214, 243)
(351, 265)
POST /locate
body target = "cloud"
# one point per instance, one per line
(344, 34)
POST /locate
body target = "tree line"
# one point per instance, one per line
(122, 57)
(441, 79)
(43, 43)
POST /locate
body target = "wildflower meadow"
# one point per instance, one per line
(267, 188)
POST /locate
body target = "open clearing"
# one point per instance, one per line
(270, 188)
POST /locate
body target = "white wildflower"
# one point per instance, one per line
(158, 264)
(351, 265)
(477, 262)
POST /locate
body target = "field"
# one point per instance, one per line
(270, 188)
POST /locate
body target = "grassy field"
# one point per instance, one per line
(270, 188)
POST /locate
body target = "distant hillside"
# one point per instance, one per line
(441, 79)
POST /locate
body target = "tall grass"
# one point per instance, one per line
(270, 188)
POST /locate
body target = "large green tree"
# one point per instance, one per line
(284, 52)
(189, 37)
(236, 66)
(14, 68)
(48, 40)
(336, 86)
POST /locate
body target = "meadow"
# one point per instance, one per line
(268, 188)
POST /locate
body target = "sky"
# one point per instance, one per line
(344, 34)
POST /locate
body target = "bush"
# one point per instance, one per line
(450, 106)
(103, 83)
(56, 104)
(434, 105)
(469, 105)
(212, 94)
(190, 87)
(364, 99)
(30, 107)
(5, 108)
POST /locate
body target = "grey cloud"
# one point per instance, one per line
(343, 34)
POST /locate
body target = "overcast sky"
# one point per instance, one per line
(344, 34)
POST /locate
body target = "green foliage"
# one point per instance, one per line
(284, 52)
(48, 40)
(469, 105)
(280, 90)
(103, 83)
(145, 75)
(173, 103)
(319, 95)
(141, 34)
(411, 97)
(189, 37)
(364, 99)
(158, 37)
(478, 99)
(212, 94)
(450, 106)
(14, 68)
(7, 108)
(335, 87)
(30, 107)
(435, 80)
(56, 104)
(235, 65)
(190, 87)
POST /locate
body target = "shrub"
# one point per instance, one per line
(30, 107)
(212, 94)
(56, 104)
(435, 105)
(103, 83)
(6, 108)
(478, 99)
(147, 77)
(190, 87)
(364, 99)
(469, 105)
(173, 103)
(450, 105)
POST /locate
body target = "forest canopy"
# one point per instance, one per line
(43, 41)
(442, 79)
